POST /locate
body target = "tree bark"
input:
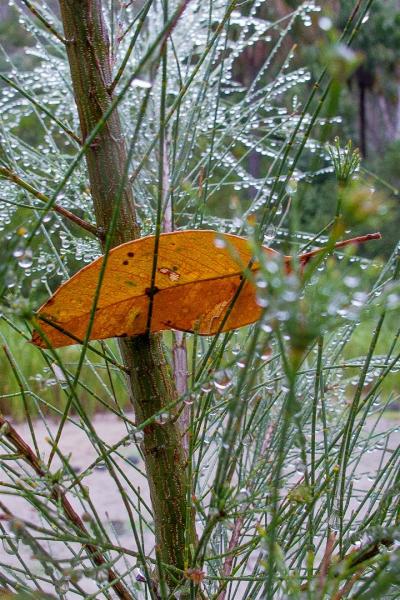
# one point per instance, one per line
(362, 119)
(150, 381)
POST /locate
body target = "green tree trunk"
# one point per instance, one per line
(150, 381)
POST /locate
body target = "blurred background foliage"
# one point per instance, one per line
(363, 105)
(365, 99)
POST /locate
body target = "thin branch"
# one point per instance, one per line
(38, 551)
(355, 558)
(326, 560)
(179, 348)
(59, 496)
(346, 589)
(11, 176)
(233, 542)
(180, 367)
(238, 525)
(44, 343)
(304, 258)
(43, 20)
(130, 48)
(42, 108)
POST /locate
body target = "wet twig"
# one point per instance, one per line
(43, 20)
(58, 495)
(11, 176)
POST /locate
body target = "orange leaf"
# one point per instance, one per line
(194, 284)
(196, 279)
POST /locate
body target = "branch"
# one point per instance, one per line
(43, 20)
(237, 527)
(180, 10)
(326, 561)
(130, 48)
(355, 559)
(346, 589)
(58, 495)
(233, 542)
(11, 176)
(179, 348)
(304, 258)
(31, 99)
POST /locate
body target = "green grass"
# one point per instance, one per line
(98, 393)
(39, 381)
(358, 347)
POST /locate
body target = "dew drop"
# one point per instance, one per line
(325, 23)
(270, 233)
(206, 387)
(63, 585)
(139, 576)
(243, 495)
(10, 544)
(219, 243)
(59, 375)
(4, 429)
(141, 83)
(26, 260)
(162, 418)
(291, 186)
(136, 435)
(189, 400)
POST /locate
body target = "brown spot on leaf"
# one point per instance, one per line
(172, 274)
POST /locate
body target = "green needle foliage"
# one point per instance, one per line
(288, 428)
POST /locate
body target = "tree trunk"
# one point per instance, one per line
(365, 81)
(362, 119)
(150, 381)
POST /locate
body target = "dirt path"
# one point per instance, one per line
(104, 493)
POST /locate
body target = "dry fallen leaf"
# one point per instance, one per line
(198, 274)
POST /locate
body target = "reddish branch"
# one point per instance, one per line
(355, 558)
(233, 543)
(304, 258)
(238, 524)
(58, 495)
(326, 560)
(346, 589)
(11, 176)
